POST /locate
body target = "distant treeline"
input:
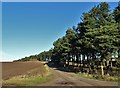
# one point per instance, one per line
(94, 41)
(43, 56)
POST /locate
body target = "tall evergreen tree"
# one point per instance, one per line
(117, 19)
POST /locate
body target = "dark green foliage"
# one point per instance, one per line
(117, 18)
(117, 13)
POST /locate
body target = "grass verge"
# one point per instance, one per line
(97, 77)
(26, 81)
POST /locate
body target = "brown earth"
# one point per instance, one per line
(10, 69)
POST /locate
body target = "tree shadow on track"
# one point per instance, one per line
(63, 68)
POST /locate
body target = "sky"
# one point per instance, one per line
(60, 0)
(29, 28)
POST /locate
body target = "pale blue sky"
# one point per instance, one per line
(0, 30)
(30, 28)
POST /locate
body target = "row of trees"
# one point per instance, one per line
(95, 39)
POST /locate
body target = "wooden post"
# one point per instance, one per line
(102, 71)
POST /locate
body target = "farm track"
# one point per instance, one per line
(62, 78)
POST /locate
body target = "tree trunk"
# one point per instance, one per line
(111, 63)
(77, 58)
(72, 60)
(68, 60)
(80, 60)
(119, 53)
(83, 60)
(107, 62)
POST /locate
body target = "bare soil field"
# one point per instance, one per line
(10, 69)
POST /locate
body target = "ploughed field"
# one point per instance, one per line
(11, 69)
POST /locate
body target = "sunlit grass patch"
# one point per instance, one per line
(98, 77)
(27, 80)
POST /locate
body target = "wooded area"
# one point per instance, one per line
(92, 47)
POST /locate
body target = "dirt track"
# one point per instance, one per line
(69, 79)
(10, 69)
